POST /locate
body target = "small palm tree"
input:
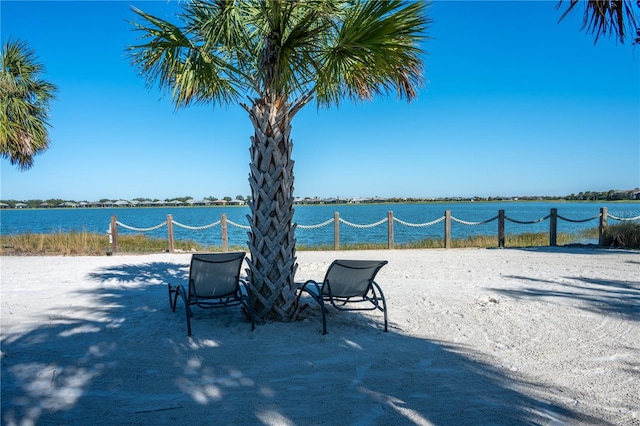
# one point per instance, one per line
(281, 54)
(613, 17)
(24, 105)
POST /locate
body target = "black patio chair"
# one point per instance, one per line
(349, 286)
(214, 282)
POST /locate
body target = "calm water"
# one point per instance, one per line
(97, 220)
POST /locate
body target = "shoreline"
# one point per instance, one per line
(437, 201)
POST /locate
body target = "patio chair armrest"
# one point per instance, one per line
(173, 296)
(312, 287)
(180, 291)
(314, 290)
(244, 286)
(247, 302)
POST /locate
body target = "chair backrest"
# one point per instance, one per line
(350, 278)
(215, 275)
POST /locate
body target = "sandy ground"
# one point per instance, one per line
(531, 336)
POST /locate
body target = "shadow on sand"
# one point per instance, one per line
(126, 359)
(608, 297)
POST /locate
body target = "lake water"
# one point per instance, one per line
(97, 220)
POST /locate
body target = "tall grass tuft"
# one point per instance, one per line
(67, 244)
(625, 234)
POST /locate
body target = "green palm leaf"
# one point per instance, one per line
(24, 105)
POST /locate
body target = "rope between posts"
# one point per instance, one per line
(355, 225)
(237, 225)
(418, 225)
(473, 223)
(131, 228)
(528, 222)
(624, 218)
(372, 225)
(579, 220)
(320, 225)
(196, 228)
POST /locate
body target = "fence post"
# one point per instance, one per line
(225, 232)
(170, 233)
(602, 230)
(390, 244)
(501, 234)
(336, 231)
(553, 228)
(447, 229)
(114, 234)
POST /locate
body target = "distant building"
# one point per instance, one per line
(193, 202)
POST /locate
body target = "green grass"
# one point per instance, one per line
(626, 234)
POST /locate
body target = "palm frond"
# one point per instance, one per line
(25, 100)
(377, 51)
(602, 17)
(191, 67)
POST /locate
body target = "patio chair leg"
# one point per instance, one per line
(379, 299)
(172, 290)
(324, 320)
(188, 326)
(189, 314)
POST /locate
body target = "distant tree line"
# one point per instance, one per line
(611, 195)
(58, 202)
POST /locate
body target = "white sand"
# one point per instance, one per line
(538, 336)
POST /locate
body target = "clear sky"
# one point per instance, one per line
(516, 104)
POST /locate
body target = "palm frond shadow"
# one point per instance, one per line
(153, 273)
(608, 297)
(122, 357)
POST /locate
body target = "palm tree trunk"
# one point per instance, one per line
(272, 237)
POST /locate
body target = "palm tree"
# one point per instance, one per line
(281, 55)
(613, 17)
(24, 105)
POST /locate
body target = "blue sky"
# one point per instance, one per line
(516, 104)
